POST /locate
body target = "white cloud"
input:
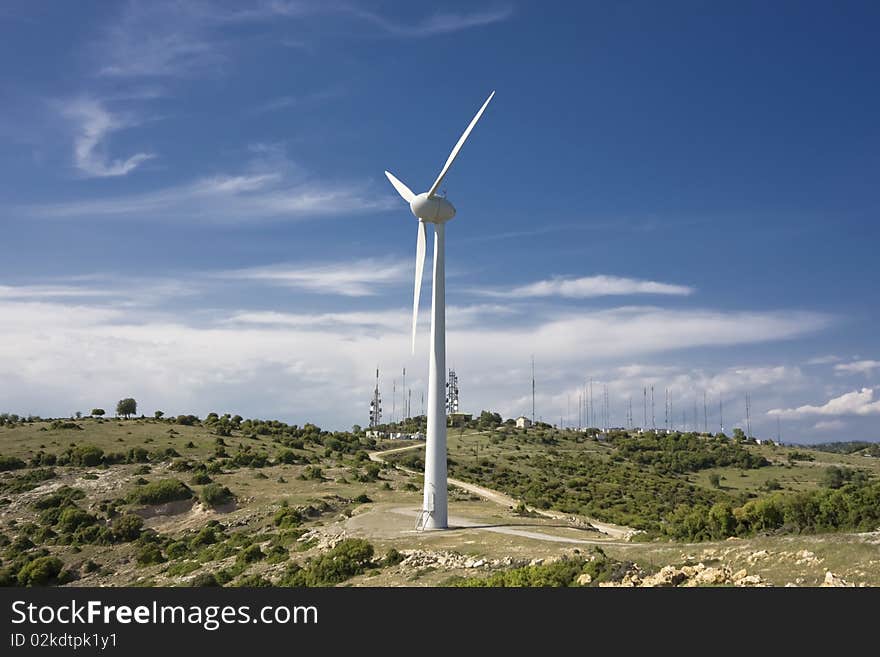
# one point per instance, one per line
(389, 319)
(94, 124)
(857, 402)
(457, 316)
(319, 366)
(858, 367)
(183, 39)
(153, 39)
(49, 291)
(439, 23)
(589, 286)
(359, 278)
(300, 100)
(824, 360)
(227, 199)
(829, 425)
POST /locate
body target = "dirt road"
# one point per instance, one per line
(614, 531)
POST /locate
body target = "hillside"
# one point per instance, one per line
(228, 501)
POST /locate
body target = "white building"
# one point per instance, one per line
(522, 422)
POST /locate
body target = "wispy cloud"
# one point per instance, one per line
(824, 360)
(93, 124)
(300, 100)
(857, 402)
(829, 425)
(858, 367)
(615, 226)
(224, 198)
(588, 286)
(438, 23)
(156, 39)
(360, 278)
(182, 39)
(391, 320)
(50, 292)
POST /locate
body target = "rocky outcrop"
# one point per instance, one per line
(688, 576)
(832, 580)
(415, 559)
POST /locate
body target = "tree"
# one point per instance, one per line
(715, 480)
(739, 434)
(126, 407)
(158, 414)
(78, 415)
(98, 412)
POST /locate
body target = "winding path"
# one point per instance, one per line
(614, 531)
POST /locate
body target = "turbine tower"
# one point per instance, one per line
(428, 207)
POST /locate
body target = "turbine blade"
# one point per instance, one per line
(404, 191)
(420, 266)
(458, 146)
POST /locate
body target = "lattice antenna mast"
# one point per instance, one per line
(705, 414)
(666, 411)
(748, 415)
(376, 405)
(533, 389)
(452, 393)
(592, 408)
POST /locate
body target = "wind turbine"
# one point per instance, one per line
(433, 209)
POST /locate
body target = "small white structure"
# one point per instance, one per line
(522, 422)
(399, 435)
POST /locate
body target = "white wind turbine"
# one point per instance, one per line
(427, 207)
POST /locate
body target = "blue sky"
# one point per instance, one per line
(682, 195)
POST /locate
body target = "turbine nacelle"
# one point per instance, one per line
(433, 209)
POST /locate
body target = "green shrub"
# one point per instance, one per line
(250, 554)
(128, 527)
(557, 574)
(72, 518)
(206, 536)
(392, 558)
(349, 558)
(287, 456)
(312, 472)
(138, 455)
(62, 497)
(200, 479)
(288, 517)
(177, 549)
(277, 554)
(10, 463)
(160, 492)
(182, 568)
(204, 579)
(215, 495)
(253, 581)
(93, 534)
(149, 555)
(40, 571)
(86, 455)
